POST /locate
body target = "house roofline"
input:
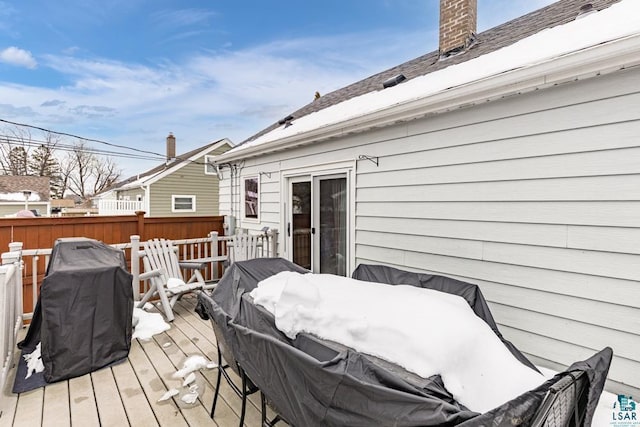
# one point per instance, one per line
(171, 169)
(589, 62)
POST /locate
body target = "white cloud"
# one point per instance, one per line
(19, 57)
(182, 17)
(205, 96)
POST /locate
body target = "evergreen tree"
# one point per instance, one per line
(17, 164)
(43, 162)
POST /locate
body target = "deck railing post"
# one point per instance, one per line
(140, 215)
(213, 237)
(135, 266)
(273, 242)
(14, 256)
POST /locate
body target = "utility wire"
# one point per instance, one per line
(81, 137)
(70, 148)
(158, 156)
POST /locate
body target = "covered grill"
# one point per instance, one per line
(83, 317)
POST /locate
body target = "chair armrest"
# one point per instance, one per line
(149, 274)
(199, 263)
(192, 265)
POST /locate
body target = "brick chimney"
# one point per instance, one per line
(171, 147)
(458, 20)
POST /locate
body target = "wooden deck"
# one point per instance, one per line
(128, 393)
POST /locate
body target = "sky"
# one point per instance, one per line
(128, 72)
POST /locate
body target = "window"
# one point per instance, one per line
(251, 200)
(183, 203)
(209, 168)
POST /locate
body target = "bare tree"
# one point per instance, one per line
(106, 173)
(86, 174)
(79, 163)
(80, 171)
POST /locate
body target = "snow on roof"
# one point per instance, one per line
(618, 21)
(19, 197)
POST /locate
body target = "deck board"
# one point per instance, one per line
(29, 409)
(84, 410)
(199, 331)
(8, 400)
(55, 412)
(138, 409)
(108, 400)
(128, 393)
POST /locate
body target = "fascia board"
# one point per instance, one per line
(590, 62)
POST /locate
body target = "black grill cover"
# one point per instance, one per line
(312, 382)
(84, 312)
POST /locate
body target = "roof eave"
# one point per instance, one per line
(148, 180)
(590, 62)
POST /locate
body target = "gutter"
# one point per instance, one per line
(586, 63)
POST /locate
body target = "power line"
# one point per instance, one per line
(158, 156)
(81, 137)
(71, 148)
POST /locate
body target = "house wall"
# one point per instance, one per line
(535, 198)
(11, 208)
(131, 194)
(188, 180)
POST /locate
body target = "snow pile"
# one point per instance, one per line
(425, 331)
(617, 21)
(174, 282)
(34, 361)
(188, 377)
(147, 325)
(192, 364)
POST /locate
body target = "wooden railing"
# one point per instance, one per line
(37, 260)
(10, 308)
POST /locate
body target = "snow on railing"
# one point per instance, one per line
(119, 207)
(10, 307)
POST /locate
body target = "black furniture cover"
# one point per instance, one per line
(84, 313)
(313, 382)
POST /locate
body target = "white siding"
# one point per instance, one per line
(536, 198)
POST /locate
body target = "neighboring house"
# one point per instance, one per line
(19, 193)
(185, 185)
(509, 159)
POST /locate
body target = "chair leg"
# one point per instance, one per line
(166, 305)
(215, 395)
(244, 397)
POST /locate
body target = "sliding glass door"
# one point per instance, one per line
(317, 222)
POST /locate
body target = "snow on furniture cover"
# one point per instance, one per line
(311, 381)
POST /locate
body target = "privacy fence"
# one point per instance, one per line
(36, 233)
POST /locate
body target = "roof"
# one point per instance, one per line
(12, 188)
(488, 42)
(155, 173)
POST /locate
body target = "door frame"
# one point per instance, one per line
(346, 168)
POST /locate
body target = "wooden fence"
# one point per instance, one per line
(37, 233)
(40, 232)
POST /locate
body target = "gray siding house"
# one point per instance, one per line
(511, 161)
(186, 185)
